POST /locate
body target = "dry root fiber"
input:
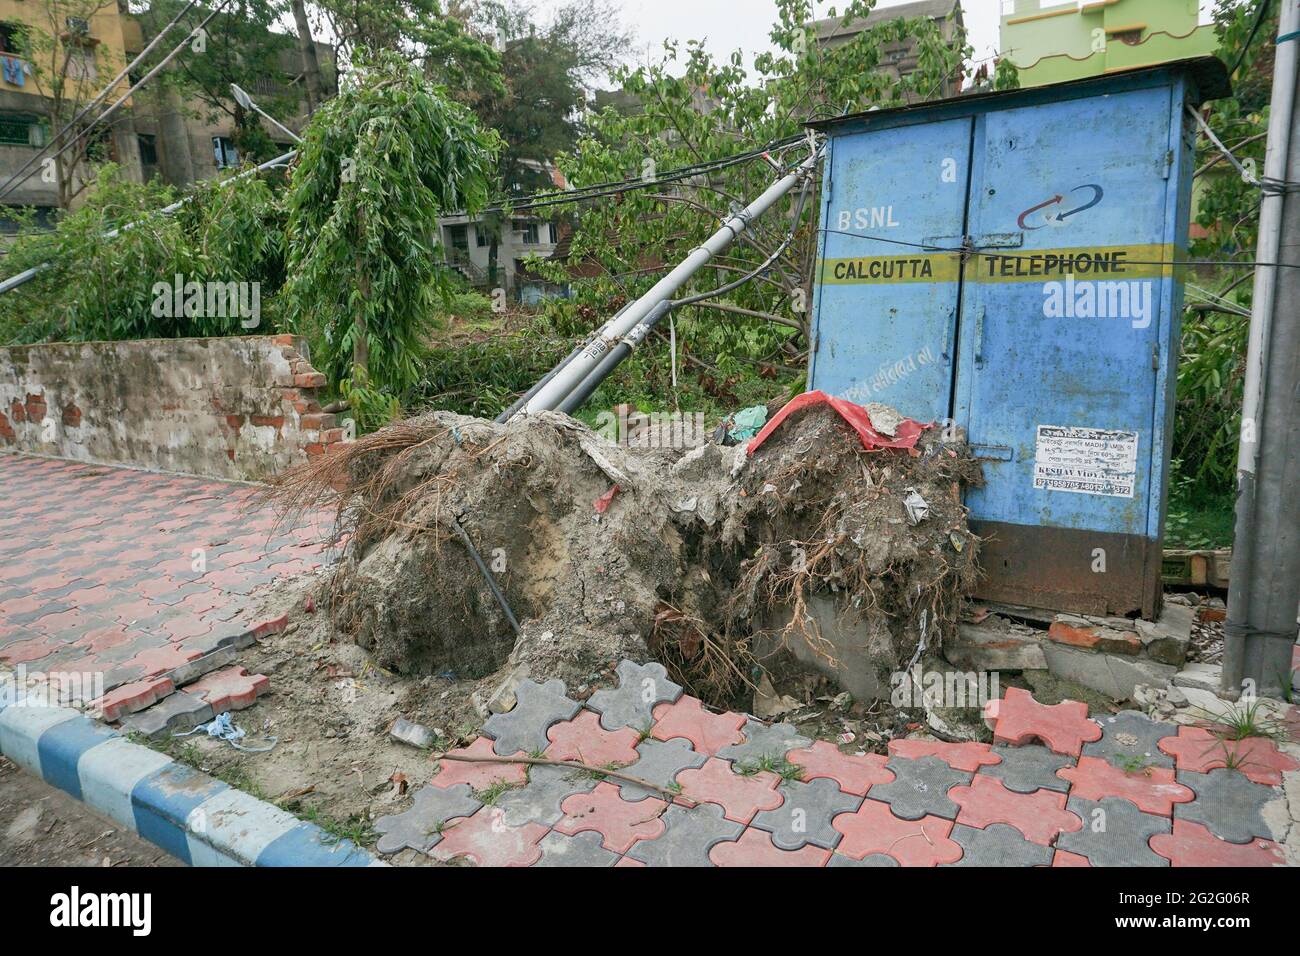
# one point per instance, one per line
(697, 553)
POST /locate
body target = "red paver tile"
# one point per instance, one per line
(486, 839)
(22, 605)
(159, 660)
(1066, 858)
(755, 848)
(873, 828)
(853, 774)
(968, 756)
(1199, 750)
(740, 796)
(628, 861)
(231, 688)
(1019, 719)
(584, 740)
(707, 732)
(1041, 816)
(104, 638)
(129, 698)
(1152, 789)
(59, 621)
(49, 582)
(33, 649)
(619, 823)
(1191, 844)
(180, 628)
(480, 776)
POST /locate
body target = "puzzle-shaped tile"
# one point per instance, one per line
(1040, 816)
(584, 740)
(619, 822)
(1028, 768)
(1064, 858)
(968, 756)
(129, 698)
(998, 845)
(659, 762)
(739, 796)
(851, 773)
(1130, 738)
(1227, 804)
(231, 688)
(480, 776)
(640, 688)
(488, 841)
(418, 828)
(537, 707)
(1190, 844)
(839, 860)
(755, 848)
(1114, 833)
(764, 742)
(540, 800)
(1019, 719)
(581, 850)
(177, 712)
(873, 829)
(807, 814)
(688, 837)
(707, 732)
(1198, 750)
(1153, 790)
(920, 788)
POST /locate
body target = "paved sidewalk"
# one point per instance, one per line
(131, 574)
(1055, 788)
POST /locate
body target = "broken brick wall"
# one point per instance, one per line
(233, 407)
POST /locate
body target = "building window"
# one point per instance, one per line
(81, 64)
(224, 152)
(11, 38)
(529, 233)
(148, 149)
(481, 237)
(459, 236)
(19, 129)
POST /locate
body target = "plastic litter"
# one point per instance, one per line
(222, 727)
(747, 423)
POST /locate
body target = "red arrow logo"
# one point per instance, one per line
(1020, 221)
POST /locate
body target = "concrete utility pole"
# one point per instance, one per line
(1264, 591)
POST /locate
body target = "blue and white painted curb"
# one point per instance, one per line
(194, 817)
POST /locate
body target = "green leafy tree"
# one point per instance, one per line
(379, 163)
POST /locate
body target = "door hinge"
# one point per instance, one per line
(1169, 164)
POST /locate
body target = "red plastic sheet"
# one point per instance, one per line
(905, 436)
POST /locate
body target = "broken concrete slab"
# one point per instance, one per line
(1112, 674)
(995, 645)
(1200, 676)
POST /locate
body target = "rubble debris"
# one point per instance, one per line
(409, 732)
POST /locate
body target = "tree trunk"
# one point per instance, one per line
(307, 47)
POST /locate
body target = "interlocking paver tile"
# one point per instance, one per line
(1190, 844)
(740, 796)
(1066, 858)
(1040, 816)
(1114, 833)
(853, 773)
(687, 718)
(968, 756)
(1019, 719)
(764, 742)
(1152, 789)
(161, 659)
(998, 845)
(1028, 768)
(524, 729)
(619, 822)
(689, 835)
(581, 850)
(640, 688)
(128, 698)
(231, 688)
(584, 740)
(807, 813)
(755, 848)
(871, 859)
(920, 788)
(178, 711)
(873, 829)
(1228, 804)
(659, 762)
(482, 775)
(486, 841)
(1199, 750)
(419, 828)
(541, 799)
(1130, 737)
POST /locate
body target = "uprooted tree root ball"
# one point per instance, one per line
(705, 559)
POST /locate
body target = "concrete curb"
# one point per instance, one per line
(194, 817)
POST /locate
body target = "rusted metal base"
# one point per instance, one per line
(1059, 568)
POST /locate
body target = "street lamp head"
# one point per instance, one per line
(242, 98)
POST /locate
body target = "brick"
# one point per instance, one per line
(1095, 638)
(1153, 790)
(755, 848)
(740, 797)
(267, 421)
(873, 829)
(968, 756)
(480, 776)
(853, 774)
(1019, 719)
(688, 719)
(230, 689)
(619, 822)
(330, 436)
(1040, 816)
(129, 698)
(1191, 844)
(318, 421)
(584, 740)
(1198, 750)
(310, 380)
